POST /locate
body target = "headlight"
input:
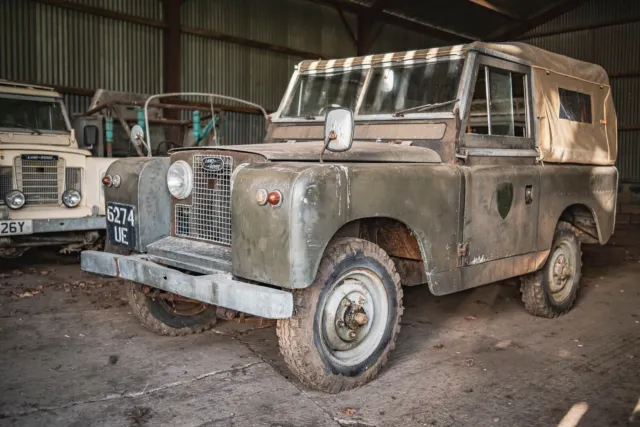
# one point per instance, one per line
(71, 198)
(180, 179)
(15, 199)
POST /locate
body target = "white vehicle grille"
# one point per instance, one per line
(73, 179)
(41, 181)
(209, 215)
(6, 181)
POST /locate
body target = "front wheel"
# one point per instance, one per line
(552, 290)
(346, 323)
(167, 314)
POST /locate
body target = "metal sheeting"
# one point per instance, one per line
(252, 74)
(629, 156)
(593, 12)
(240, 128)
(149, 9)
(395, 39)
(55, 46)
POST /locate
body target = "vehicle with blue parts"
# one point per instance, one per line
(448, 167)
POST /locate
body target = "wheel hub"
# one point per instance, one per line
(561, 274)
(354, 316)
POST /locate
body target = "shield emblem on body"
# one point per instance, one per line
(504, 196)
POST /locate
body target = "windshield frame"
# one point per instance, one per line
(293, 84)
(52, 100)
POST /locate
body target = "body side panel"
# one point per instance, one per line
(561, 186)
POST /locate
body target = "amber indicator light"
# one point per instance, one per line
(274, 198)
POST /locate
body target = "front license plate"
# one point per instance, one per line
(121, 224)
(14, 227)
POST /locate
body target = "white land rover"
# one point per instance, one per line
(50, 189)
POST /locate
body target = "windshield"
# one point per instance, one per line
(315, 93)
(423, 87)
(32, 115)
(431, 86)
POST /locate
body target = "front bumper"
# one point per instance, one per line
(69, 224)
(218, 289)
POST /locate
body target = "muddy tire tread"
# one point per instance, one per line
(531, 285)
(294, 338)
(138, 303)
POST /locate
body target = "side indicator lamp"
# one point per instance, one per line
(275, 198)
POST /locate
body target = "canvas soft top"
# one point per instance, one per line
(559, 140)
(525, 53)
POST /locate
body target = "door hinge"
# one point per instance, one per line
(463, 252)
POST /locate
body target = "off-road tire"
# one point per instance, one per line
(298, 335)
(154, 315)
(534, 287)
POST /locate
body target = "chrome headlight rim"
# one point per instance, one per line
(180, 189)
(8, 199)
(71, 198)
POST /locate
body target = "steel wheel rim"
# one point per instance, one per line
(349, 337)
(182, 308)
(562, 273)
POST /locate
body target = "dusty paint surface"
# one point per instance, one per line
(71, 354)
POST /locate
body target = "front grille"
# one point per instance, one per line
(6, 181)
(40, 180)
(73, 179)
(209, 215)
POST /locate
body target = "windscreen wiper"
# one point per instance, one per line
(18, 125)
(425, 107)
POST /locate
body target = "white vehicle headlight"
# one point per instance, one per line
(71, 198)
(180, 179)
(15, 199)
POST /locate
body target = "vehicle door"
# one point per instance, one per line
(501, 195)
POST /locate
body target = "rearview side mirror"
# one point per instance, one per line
(338, 129)
(90, 135)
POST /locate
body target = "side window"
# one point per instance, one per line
(575, 106)
(499, 103)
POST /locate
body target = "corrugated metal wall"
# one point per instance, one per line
(50, 45)
(617, 49)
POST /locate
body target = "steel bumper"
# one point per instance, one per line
(218, 289)
(69, 224)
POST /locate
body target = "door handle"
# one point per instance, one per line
(528, 194)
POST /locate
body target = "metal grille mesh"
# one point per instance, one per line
(40, 180)
(6, 182)
(209, 216)
(73, 179)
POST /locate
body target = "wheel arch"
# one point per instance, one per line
(399, 240)
(584, 222)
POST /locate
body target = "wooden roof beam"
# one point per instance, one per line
(396, 20)
(543, 15)
(495, 8)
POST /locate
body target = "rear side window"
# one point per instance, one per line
(575, 106)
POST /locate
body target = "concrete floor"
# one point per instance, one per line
(72, 354)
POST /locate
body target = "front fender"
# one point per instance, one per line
(284, 245)
(281, 245)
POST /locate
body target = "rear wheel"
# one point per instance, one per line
(552, 290)
(168, 314)
(346, 323)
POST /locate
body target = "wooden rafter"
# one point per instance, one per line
(540, 17)
(382, 16)
(495, 8)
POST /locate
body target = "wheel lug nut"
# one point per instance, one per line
(361, 319)
(346, 302)
(352, 334)
(341, 323)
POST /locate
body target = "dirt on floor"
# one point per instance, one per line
(72, 354)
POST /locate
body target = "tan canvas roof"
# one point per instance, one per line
(534, 55)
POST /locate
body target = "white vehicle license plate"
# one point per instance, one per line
(15, 227)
